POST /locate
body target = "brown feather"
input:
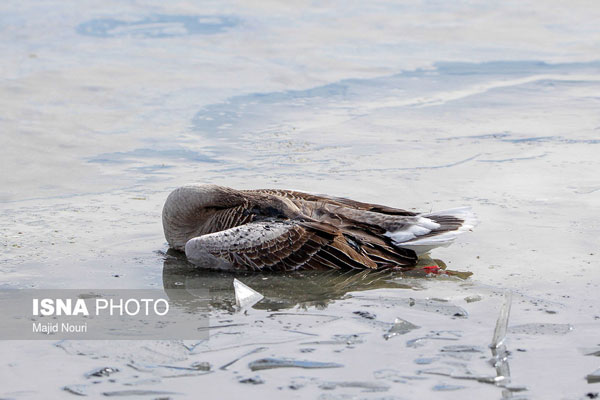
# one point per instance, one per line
(284, 230)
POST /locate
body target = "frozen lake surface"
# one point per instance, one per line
(108, 106)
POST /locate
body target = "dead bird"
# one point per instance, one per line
(285, 230)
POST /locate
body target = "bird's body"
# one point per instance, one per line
(283, 230)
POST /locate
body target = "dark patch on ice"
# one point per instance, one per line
(473, 298)
(101, 372)
(270, 363)
(365, 314)
(591, 351)
(425, 360)
(529, 139)
(201, 366)
(253, 380)
(594, 377)
(446, 387)
(461, 348)
(307, 350)
(157, 26)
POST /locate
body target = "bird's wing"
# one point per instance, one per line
(277, 245)
(336, 201)
(390, 236)
(364, 225)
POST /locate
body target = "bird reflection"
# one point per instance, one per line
(184, 283)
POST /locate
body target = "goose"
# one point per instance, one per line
(285, 230)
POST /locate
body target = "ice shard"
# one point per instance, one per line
(245, 296)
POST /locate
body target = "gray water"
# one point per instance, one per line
(108, 106)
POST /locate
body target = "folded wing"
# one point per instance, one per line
(278, 246)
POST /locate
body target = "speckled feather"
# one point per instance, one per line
(285, 230)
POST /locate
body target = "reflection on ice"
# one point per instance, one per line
(286, 290)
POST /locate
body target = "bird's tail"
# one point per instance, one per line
(450, 224)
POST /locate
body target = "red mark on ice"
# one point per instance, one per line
(432, 269)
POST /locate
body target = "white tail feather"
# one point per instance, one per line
(443, 239)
